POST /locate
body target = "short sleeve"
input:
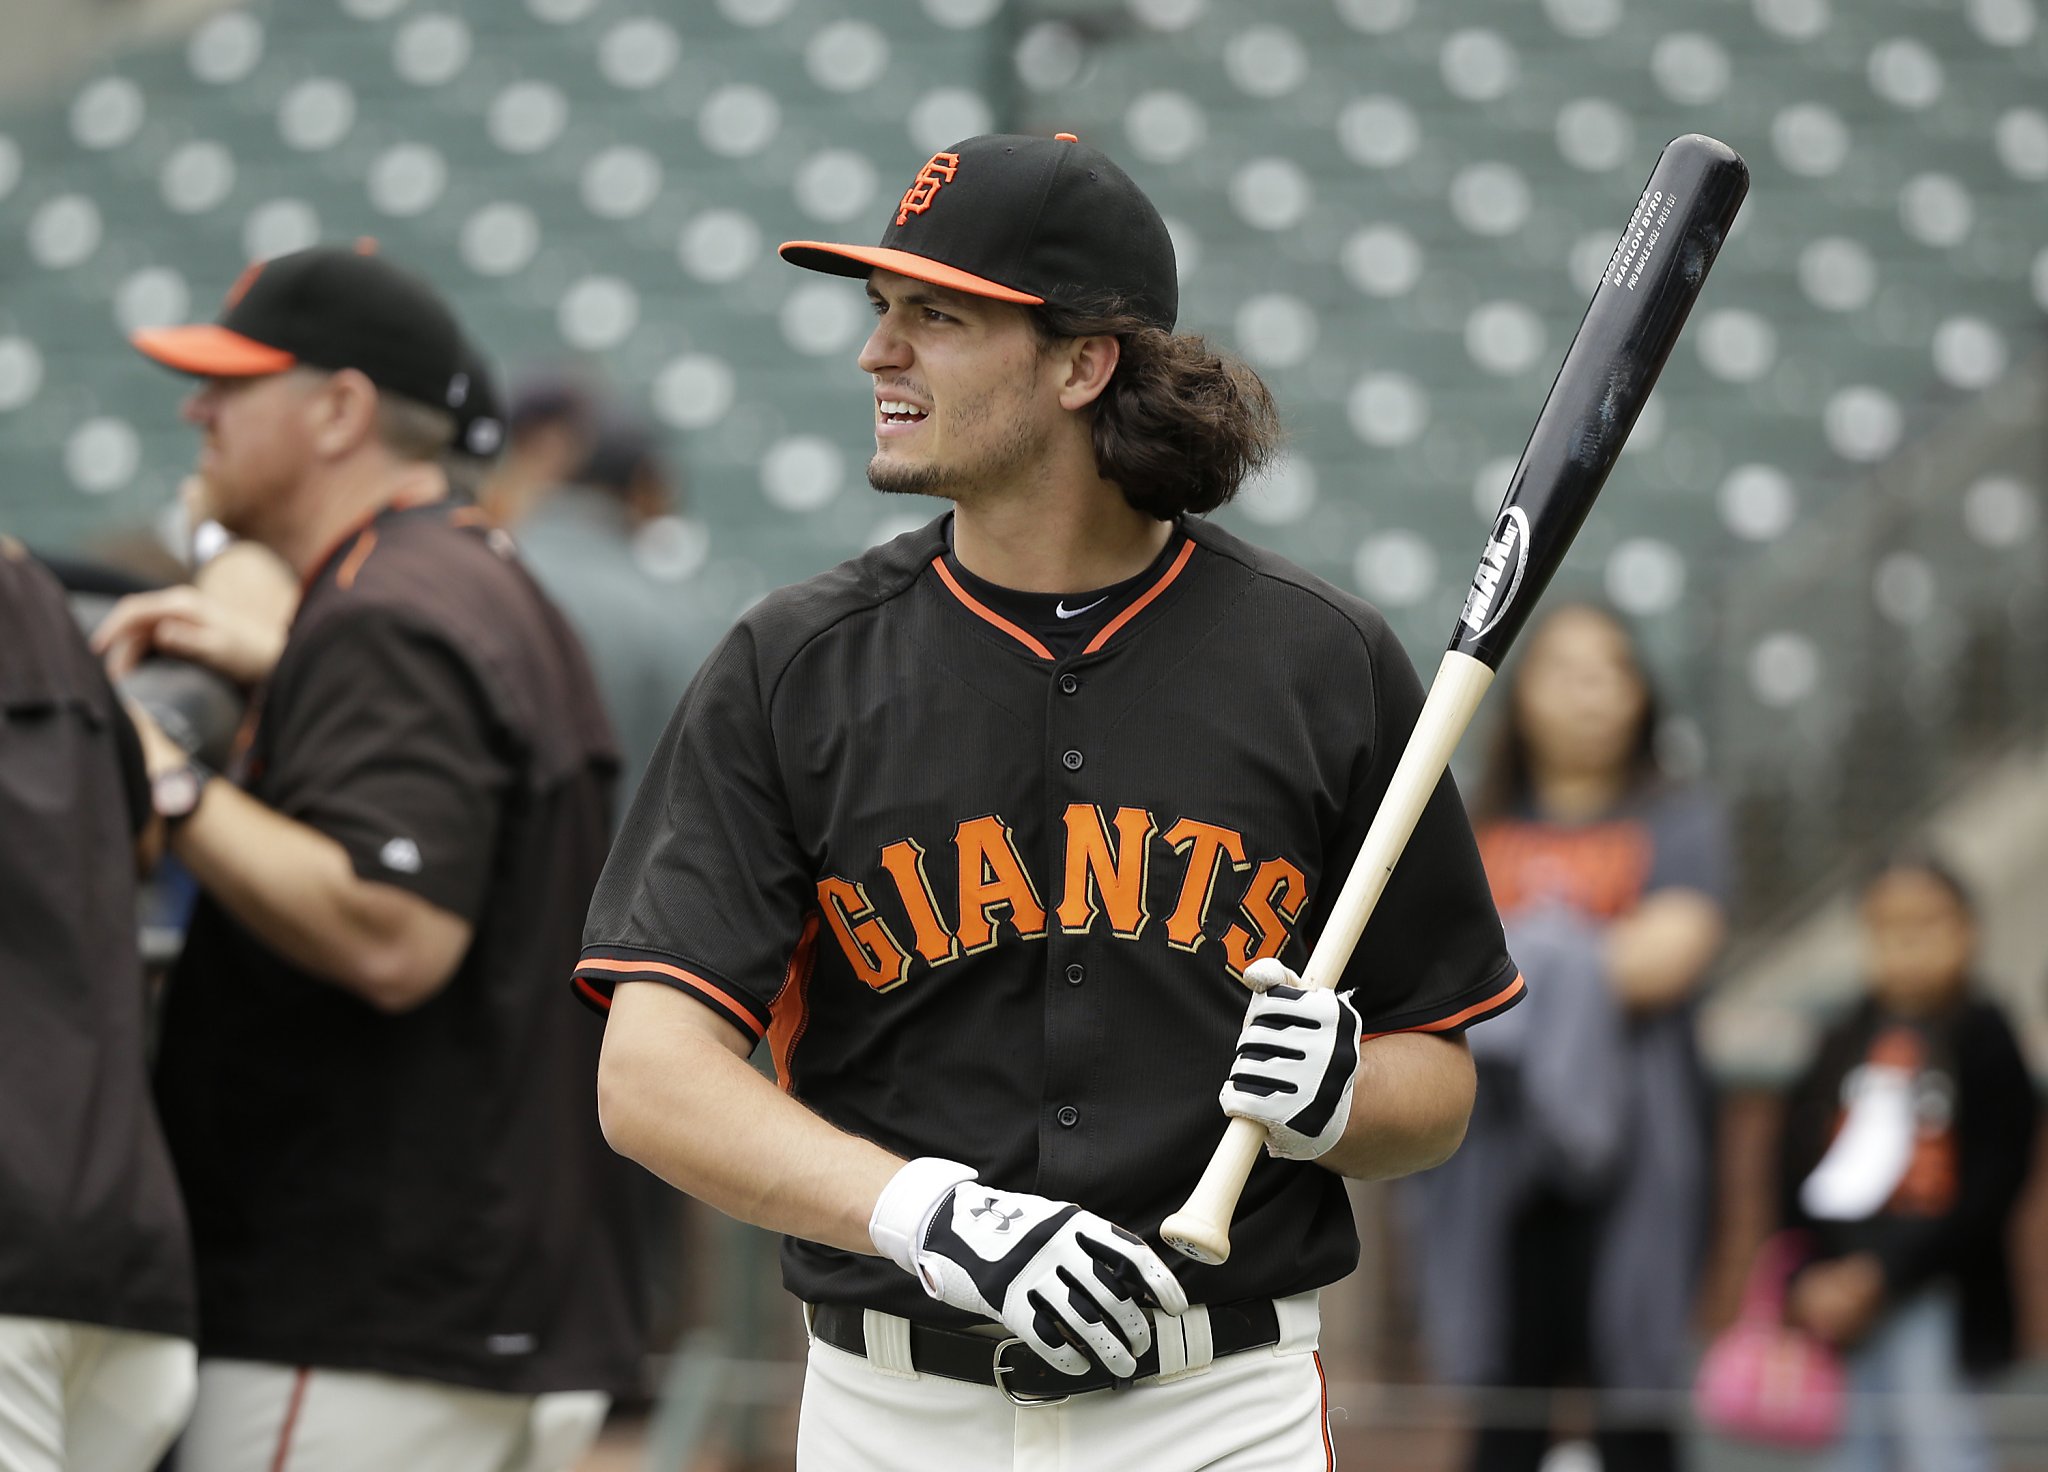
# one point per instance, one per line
(1433, 957)
(1689, 844)
(707, 886)
(383, 742)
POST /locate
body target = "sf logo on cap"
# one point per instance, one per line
(939, 170)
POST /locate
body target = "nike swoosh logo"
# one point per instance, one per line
(1063, 611)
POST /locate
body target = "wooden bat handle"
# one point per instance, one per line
(1201, 1228)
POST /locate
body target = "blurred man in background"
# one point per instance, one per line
(96, 1308)
(547, 436)
(578, 540)
(409, 1245)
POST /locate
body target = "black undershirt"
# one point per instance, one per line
(1040, 614)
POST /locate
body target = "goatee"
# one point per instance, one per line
(905, 480)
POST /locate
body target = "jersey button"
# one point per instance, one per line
(1076, 974)
(1068, 1116)
(1071, 761)
(1069, 684)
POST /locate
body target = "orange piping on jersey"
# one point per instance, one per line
(1152, 592)
(983, 611)
(742, 1014)
(790, 1012)
(291, 1419)
(1443, 1024)
(1323, 1387)
(591, 994)
(357, 556)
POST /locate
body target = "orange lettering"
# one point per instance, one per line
(1271, 904)
(992, 878)
(938, 172)
(870, 949)
(1093, 872)
(904, 859)
(1204, 843)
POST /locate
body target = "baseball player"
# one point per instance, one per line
(412, 1246)
(987, 832)
(96, 1304)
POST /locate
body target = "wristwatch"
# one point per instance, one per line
(175, 792)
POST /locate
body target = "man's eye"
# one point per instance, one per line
(933, 315)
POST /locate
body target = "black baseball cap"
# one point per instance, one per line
(1028, 220)
(480, 412)
(327, 307)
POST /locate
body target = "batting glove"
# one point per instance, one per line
(1297, 1060)
(1066, 1282)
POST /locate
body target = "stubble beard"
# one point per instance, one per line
(1021, 445)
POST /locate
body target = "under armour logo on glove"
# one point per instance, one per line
(1296, 1063)
(1003, 1218)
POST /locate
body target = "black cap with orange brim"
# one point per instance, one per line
(327, 307)
(1026, 220)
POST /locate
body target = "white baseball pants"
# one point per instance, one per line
(1264, 1410)
(81, 1398)
(256, 1417)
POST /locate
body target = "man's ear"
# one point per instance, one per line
(343, 414)
(1087, 364)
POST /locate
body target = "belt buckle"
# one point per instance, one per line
(1012, 1396)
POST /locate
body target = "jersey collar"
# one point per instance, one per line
(1035, 646)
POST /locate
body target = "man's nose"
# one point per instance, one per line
(884, 350)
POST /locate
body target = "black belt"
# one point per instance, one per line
(1013, 1367)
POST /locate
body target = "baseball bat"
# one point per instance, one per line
(1651, 281)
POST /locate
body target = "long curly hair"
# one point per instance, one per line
(1181, 424)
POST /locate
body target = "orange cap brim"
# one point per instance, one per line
(210, 351)
(835, 260)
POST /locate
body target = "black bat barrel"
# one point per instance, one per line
(1651, 282)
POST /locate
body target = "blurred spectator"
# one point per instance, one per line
(578, 541)
(412, 1244)
(1907, 1143)
(547, 436)
(1561, 1245)
(96, 1307)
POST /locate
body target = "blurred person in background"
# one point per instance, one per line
(1561, 1245)
(1906, 1147)
(547, 436)
(410, 1246)
(96, 1300)
(578, 541)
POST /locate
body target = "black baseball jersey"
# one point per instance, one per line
(424, 1194)
(989, 900)
(90, 1226)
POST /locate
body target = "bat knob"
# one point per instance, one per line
(1190, 1236)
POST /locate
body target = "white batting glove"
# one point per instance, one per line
(1296, 1064)
(1066, 1282)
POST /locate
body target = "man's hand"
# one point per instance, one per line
(1068, 1283)
(188, 624)
(160, 753)
(1296, 1064)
